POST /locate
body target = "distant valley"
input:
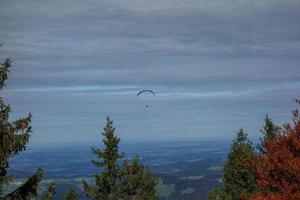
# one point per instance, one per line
(186, 170)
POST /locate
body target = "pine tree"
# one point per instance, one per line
(49, 194)
(108, 158)
(27, 190)
(71, 195)
(239, 181)
(13, 136)
(137, 182)
(218, 194)
(126, 181)
(269, 131)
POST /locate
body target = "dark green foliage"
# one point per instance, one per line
(50, 192)
(269, 131)
(137, 182)
(106, 182)
(218, 194)
(28, 189)
(4, 70)
(239, 181)
(13, 139)
(128, 181)
(13, 135)
(71, 195)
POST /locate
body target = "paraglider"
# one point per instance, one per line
(145, 91)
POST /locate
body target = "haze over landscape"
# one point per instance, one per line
(215, 66)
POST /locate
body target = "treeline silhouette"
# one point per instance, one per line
(269, 171)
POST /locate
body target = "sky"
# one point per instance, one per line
(215, 66)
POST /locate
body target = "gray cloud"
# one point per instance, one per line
(194, 52)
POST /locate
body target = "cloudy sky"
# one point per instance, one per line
(215, 65)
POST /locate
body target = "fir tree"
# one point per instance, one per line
(239, 181)
(106, 182)
(27, 190)
(137, 182)
(13, 136)
(218, 194)
(125, 181)
(50, 192)
(71, 195)
(269, 131)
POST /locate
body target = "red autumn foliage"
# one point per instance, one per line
(278, 171)
(270, 196)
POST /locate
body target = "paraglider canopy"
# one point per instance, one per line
(145, 91)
